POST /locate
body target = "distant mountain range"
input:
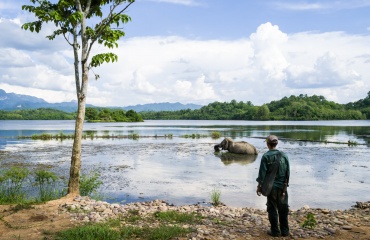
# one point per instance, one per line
(12, 101)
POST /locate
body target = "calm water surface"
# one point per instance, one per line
(185, 170)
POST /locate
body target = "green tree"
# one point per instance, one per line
(263, 113)
(82, 23)
(91, 113)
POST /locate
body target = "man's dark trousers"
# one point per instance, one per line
(278, 209)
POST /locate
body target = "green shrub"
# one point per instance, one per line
(90, 183)
(310, 221)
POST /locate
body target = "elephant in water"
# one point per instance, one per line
(236, 147)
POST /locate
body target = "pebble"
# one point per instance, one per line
(242, 223)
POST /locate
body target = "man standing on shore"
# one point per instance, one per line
(277, 200)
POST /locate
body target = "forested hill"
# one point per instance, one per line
(300, 107)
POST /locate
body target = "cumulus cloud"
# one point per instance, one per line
(10, 57)
(264, 66)
(328, 71)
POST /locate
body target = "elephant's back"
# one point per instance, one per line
(246, 149)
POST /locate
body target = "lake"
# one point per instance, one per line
(326, 172)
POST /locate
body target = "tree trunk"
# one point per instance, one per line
(81, 90)
(75, 170)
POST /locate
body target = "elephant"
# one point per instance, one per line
(236, 147)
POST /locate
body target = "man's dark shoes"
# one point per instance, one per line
(273, 234)
(285, 234)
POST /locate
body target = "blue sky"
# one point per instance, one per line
(201, 51)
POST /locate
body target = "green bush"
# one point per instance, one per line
(89, 184)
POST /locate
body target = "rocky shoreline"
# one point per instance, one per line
(237, 223)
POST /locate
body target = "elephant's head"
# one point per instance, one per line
(226, 143)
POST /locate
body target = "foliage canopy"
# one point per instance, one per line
(300, 107)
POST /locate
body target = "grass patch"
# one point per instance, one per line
(216, 197)
(161, 232)
(165, 232)
(310, 221)
(215, 135)
(177, 217)
(89, 232)
(115, 230)
(132, 216)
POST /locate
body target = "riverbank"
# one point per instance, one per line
(221, 222)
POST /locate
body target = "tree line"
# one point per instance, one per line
(111, 115)
(36, 114)
(300, 107)
(92, 114)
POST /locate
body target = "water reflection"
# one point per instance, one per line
(230, 158)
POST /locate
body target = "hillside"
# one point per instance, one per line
(12, 101)
(300, 107)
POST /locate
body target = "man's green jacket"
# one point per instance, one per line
(284, 170)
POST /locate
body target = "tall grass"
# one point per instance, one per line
(216, 197)
(42, 186)
(11, 185)
(47, 184)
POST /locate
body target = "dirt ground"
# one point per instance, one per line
(38, 222)
(42, 221)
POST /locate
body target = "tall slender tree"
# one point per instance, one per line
(82, 23)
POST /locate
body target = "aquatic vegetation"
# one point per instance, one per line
(47, 183)
(216, 197)
(215, 134)
(11, 185)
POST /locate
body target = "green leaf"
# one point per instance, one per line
(99, 59)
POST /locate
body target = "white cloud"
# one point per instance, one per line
(10, 57)
(299, 6)
(266, 66)
(328, 71)
(269, 44)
